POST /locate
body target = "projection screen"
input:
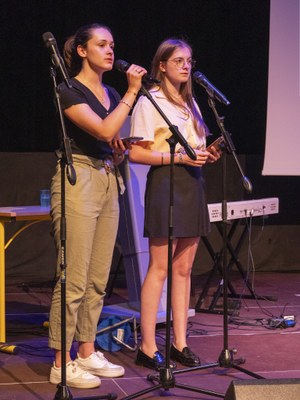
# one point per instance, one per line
(283, 111)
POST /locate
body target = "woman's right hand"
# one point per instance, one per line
(202, 156)
(135, 74)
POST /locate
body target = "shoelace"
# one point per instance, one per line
(100, 355)
(74, 366)
(102, 358)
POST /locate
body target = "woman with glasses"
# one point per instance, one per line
(172, 66)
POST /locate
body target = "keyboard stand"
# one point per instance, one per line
(217, 257)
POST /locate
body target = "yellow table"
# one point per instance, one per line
(32, 214)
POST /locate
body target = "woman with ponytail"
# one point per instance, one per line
(94, 115)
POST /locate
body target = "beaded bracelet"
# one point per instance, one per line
(125, 102)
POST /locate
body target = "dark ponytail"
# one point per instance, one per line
(82, 36)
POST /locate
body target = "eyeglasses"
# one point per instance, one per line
(180, 62)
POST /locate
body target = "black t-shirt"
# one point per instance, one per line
(81, 141)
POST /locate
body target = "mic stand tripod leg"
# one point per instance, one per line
(167, 375)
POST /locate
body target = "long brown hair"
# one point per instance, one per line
(80, 38)
(163, 53)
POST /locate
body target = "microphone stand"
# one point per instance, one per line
(166, 378)
(226, 357)
(66, 168)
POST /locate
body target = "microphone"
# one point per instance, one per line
(123, 66)
(56, 58)
(211, 90)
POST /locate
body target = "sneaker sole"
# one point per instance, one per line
(90, 384)
(105, 373)
(78, 385)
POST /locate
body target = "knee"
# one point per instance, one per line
(182, 270)
(158, 271)
(75, 292)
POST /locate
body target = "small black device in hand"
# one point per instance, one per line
(131, 139)
(218, 144)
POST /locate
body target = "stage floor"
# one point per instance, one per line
(269, 352)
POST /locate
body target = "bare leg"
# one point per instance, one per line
(151, 292)
(181, 283)
(85, 349)
(58, 358)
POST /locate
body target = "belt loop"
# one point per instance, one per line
(120, 181)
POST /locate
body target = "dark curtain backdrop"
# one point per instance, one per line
(229, 37)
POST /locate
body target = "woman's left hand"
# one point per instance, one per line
(214, 154)
(119, 149)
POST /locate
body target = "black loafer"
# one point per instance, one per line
(185, 357)
(156, 362)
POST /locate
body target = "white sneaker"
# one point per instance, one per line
(75, 376)
(97, 364)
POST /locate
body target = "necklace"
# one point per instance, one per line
(186, 113)
(182, 106)
(102, 97)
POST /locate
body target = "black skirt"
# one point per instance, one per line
(190, 212)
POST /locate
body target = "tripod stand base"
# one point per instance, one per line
(63, 393)
(226, 361)
(166, 381)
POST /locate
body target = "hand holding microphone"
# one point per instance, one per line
(124, 66)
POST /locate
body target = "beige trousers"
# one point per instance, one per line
(92, 215)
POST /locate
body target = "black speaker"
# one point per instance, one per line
(264, 389)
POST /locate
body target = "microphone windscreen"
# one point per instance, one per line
(121, 65)
(49, 39)
(198, 76)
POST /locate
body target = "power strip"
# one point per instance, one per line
(287, 321)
